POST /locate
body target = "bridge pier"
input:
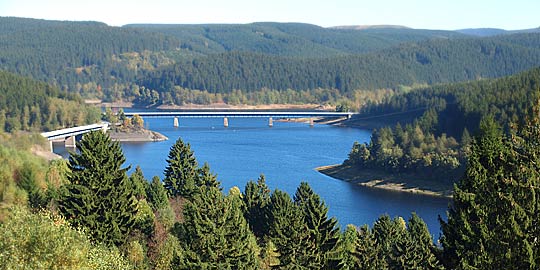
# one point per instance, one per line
(270, 122)
(311, 124)
(175, 122)
(225, 122)
(51, 147)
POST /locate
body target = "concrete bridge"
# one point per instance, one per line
(234, 114)
(70, 135)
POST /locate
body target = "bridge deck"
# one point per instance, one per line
(240, 114)
(74, 131)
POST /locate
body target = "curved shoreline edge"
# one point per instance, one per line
(143, 135)
(382, 180)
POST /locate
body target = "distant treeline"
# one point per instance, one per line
(26, 104)
(436, 144)
(149, 63)
(431, 62)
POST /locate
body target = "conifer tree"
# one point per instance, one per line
(386, 232)
(139, 183)
(99, 196)
(206, 178)
(256, 199)
(493, 222)
(323, 231)
(414, 250)
(288, 231)
(215, 234)
(181, 172)
(156, 194)
(367, 252)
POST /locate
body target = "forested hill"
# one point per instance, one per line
(435, 146)
(26, 104)
(462, 105)
(65, 52)
(113, 63)
(290, 39)
(434, 61)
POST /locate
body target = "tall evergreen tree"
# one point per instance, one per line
(99, 196)
(367, 252)
(215, 234)
(289, 233)
(256, 198)
(181, 172)
(206, 178)
(324, 233)
(414, 250)
(156, 194)
(493, 222)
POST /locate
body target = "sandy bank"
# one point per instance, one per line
(382, 180)
(44, 153)
(142, 135)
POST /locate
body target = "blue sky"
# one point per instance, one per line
(426, 14)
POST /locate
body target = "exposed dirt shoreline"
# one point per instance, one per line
(381, 180)
(142, 135)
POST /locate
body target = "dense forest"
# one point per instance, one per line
(428, 62)
(26, 104)
(255, 63)
(88, 213)
(435, 145)
(290, 39)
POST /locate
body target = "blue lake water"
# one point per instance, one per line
(286, 154)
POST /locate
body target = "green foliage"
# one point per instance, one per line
(157, 194)
(493, 222)
(45, 241)
(431, 62)
(256, 199)
(26, 104)
(367, 252)
(289, 233)
(181, 171)
(410, 150)
(139, 183)
(323, 231)
(215, 234)
(289, 39)
(99, 197)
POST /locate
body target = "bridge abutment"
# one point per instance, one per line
(311, 123)
(70, 142)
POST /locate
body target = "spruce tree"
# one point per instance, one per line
(387, 231)
(493, 222)
(156, 194)
(323, 231)
(99, 197)
(215, 234)
(256, 198)
(289, 233)
(140, 184)
(367, 253)
(181, 173)
(206, 178)
(414, 250)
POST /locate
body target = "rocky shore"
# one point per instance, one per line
(381, 180)
(139, 135)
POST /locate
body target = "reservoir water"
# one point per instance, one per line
(286, 154)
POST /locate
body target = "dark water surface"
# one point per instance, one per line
(286, 154)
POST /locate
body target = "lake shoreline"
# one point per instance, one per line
(382, 180)
(139, 135)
